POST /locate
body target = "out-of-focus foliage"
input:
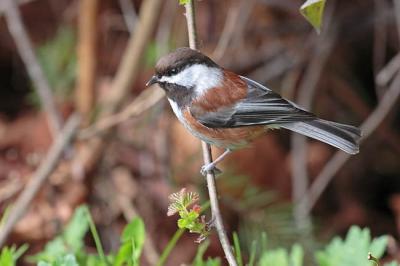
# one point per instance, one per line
(59, 63)
(68, 249)
(353, 250)
(10, 255)
(313, 11)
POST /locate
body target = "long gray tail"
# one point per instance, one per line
(341, 136)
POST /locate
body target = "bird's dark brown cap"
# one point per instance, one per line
(181, 58)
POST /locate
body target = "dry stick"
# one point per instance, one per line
(299, 142)
(380, 41)
(339, 159)
(128, 13)
(126, 74)
(45, 169)
(141, 104)
(84, 94)
(207, 157)
(130, 65)
(34, 69)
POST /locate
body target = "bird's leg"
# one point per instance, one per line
(211, 166)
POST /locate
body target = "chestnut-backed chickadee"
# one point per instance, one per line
(228, 110)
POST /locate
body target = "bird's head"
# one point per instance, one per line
(186, 72)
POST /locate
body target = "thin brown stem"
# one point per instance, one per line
(87, 56)
(207, 157)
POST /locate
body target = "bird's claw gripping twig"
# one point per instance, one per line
(210, 168)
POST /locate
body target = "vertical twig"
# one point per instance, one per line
(27, 53)
(45, 169)
(306, 94)
(129, 14)
(86, 56)
(212, 191)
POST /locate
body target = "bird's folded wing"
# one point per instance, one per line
(261, 106)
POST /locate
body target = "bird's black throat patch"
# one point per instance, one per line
(179, 94)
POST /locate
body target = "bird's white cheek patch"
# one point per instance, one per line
(200, 77)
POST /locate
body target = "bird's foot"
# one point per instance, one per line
(211, 223)
(207, 168)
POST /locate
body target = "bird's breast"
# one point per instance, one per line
(232, 138)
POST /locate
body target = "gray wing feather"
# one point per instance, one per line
(265, 107)
(262, 106)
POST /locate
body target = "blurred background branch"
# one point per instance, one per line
(27, 53)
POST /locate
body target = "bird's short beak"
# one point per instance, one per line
(152, 81)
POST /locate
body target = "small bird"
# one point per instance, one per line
(229, 111)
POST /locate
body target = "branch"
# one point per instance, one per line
(147, 99)
(127, 72)
(45, 169)
(339, 159)
(207, 157)
(299, 143)
(84, 94)
(26, 51)
(128, 13)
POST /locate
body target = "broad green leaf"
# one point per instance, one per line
(313, 11)
(134, 234)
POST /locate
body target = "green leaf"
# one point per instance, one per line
(123, 255)
(237, 250)
(274, 258)
(313, 11)
(69, 242)
(296, 255)
(76, 230)
(6, 257)
(353, 250)
(134, 234)
(183, 2)
(182, 223)
(67, 260)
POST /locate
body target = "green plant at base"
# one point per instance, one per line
(10, 255)
(353, 250)
(190, 219)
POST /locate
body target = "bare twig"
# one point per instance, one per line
(18, 2)
(380, 41)
(397, 14)
(127, 72)
(87, 56)
(45, 169)
(129, 67)
(34, 69)
(389, 71)
(339, 159)
(299, 142)
(141, 104)
(207, 157)
(129, 14)
(237, 15)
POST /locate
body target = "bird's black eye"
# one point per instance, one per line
(174, 71)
